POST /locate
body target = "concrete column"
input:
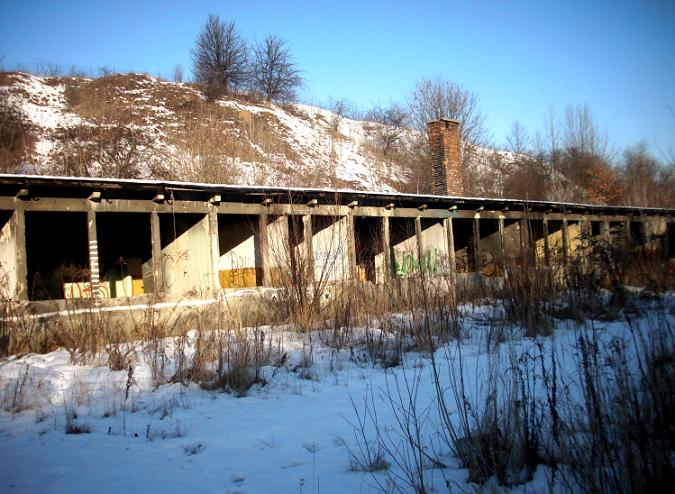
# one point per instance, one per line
(502, 249)
(476, 243)
(351, 246)
(585, 230)
(420, 246)
(214, 249)
(386, 246)
(566, 242)
(19, 218)
(13, 256)
(666, 240)
(526, 242)
(265, 249)
(626, 230)
(156, 244)
(94, 275)
(307, 244)
(547, 253)
(452, 266)
(604, 231)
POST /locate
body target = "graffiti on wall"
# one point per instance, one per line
(488, 265)
(169, 266)
(407, 262)
(83, 289)
(242, 272)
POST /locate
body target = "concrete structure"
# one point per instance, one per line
(82, 237)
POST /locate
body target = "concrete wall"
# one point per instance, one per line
(239, 261)
(330, 249)
(434, 249)
(186, 258)
(405, 253)
(490, 262)
(9, 258)
(278, 254)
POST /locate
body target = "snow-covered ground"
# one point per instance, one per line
(290, 435)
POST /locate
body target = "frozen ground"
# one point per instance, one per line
(287, 436)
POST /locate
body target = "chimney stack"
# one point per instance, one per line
(447, 175)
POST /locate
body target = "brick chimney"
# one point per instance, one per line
(447, 177)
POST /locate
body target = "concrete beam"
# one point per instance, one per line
(146, 206)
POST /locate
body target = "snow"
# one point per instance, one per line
(288, 435)
(45, 105)
(319, 149)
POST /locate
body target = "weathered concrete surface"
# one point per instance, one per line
(13, 257)
(330, 246)
(185, 254)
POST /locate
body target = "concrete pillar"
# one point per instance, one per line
(476, 243)
(626, 230)
(452, 267)
(351, 246)
(502, 248)
(19, 217)
(585, 231)
(547, 253)
(604, 231)
(13, 265)
(156, 244)
(307, 245)
(666, 239)
(386, 246)
(214, 249)
(94, 275)
(566, 242)
(420, 246)
(265, 249)
(525, 255)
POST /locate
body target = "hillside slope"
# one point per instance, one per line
(136, 126)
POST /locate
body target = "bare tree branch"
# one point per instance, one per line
(220, 56)
(274, 74)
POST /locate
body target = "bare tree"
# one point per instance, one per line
(518, 139)
(581, 131)
(220, 56)
(438, 98)
(274, 74)
(340, 109)
(391, 121)
(647, 182)
(178, 73)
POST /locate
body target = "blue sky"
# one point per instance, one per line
(521, 58)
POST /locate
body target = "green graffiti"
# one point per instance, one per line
(407, 262)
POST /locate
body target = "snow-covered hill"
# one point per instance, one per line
(139, 126)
